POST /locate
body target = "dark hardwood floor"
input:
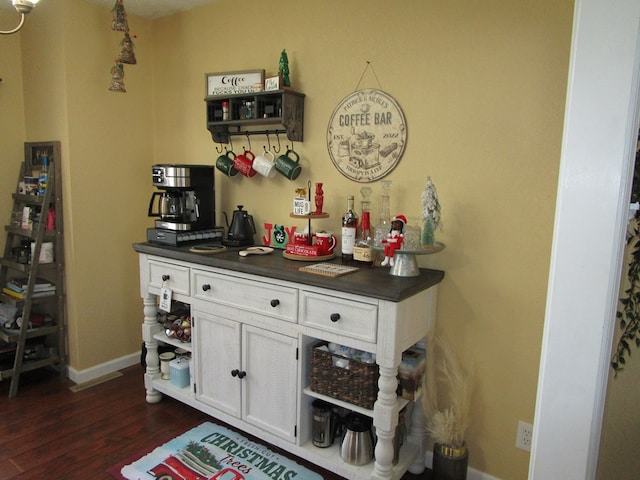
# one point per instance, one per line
(49, 432)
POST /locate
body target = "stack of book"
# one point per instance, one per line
(16, 288)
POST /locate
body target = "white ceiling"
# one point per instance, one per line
(153, 8)
(142, 8)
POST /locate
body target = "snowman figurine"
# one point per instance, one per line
(394, 239)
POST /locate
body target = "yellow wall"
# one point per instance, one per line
(68, 49)
(482, 86)
(12, 121)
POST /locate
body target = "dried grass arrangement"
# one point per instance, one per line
(447, 425)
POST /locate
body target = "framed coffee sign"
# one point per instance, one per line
(366, 136)
(233, 83)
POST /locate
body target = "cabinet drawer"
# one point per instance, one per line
(342, 316)
(174, 277)
(264, 298)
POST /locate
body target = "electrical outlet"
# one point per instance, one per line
(524, 436)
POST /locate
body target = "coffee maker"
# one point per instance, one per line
(184, 205)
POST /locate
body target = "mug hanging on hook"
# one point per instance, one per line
(290, 148)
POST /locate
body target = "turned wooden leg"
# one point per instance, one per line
(386, 420)
(418, 436)
(149, 328)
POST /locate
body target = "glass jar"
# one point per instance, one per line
(383, 226)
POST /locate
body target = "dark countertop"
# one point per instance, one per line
(371, 282)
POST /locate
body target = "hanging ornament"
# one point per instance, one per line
(117, 78)
(126, 50)
(119, 22)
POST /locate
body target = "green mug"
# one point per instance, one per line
(287, 166)
(224, 163)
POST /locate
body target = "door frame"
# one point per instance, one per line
(598, 152)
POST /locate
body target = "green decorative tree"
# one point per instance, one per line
(430, 213)
(284, 68)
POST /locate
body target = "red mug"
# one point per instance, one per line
(326, 242)
(301, 238)
(244, 163)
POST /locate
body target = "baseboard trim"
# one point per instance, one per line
(472, 473)
(88, 374)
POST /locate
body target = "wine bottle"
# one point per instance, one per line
(362, 253)
(349, 230)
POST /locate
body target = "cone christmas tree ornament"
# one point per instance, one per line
(119, 22)
(117, 78)
(126, 50)
(283, 67)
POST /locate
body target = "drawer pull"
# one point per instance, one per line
(206, 287)
(275, 302)
(165, 277)
(335, 317)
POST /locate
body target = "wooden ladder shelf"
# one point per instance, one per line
(33, 293)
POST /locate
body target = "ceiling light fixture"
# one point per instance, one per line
(24, 7)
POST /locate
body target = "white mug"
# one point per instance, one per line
(264, 165)
(301, 206)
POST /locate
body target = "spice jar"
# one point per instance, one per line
(225, 110)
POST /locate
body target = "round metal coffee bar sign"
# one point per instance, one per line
(366, 136)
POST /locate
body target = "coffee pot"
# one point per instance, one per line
(174, 206)
(170, 205)
(357, 442)
(241, 230)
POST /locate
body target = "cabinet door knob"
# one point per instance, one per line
(275, 302)
(235, 372)
(335, 317)
(242, 374)
(206, 287)
(165, 277)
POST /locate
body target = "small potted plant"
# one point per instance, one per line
(447, 424)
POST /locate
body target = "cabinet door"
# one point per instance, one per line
(269, 389)
(217, 354)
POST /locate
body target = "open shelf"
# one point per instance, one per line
(403, 402)
(279, 107)
(174, 342)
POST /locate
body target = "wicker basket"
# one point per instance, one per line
(357, 384)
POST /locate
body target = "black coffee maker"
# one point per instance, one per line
(184, 205)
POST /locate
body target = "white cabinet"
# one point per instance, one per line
(216, 355)
(255, 320)
(270, 389)
(247, 372)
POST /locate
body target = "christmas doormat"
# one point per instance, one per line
(211, 451)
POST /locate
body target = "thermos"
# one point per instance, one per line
(324, 424)
(357, 443)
